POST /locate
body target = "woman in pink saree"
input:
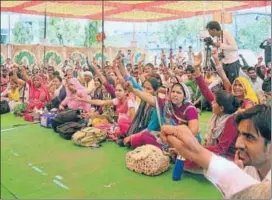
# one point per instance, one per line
(74, 90)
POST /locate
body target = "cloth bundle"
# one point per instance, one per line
(89, 137)
(147, 159)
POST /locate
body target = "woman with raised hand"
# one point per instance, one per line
(221, 134)
(126, 108)
(145, 121)
(174, 110)
(74, 90)
(240, 88)
(58, 93)
(104, 90)
(38, 91)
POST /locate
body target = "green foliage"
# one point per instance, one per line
(181, 32)
(67, 29)
(54, 55)
(251, 35)
(22, 33)
(2, 60)
(91, 30)
(24, 55)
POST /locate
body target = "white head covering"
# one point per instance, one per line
(187, 95)
(68, 68)
(88, 73)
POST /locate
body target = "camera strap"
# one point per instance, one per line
(222, 35)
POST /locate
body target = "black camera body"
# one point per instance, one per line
(221, 55)
(208, 41)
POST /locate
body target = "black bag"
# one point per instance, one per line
(67, 130)
(67, 116)
(4, 107)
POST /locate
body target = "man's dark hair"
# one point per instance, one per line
(129, 65)
(227, 101)
(56, 73)
(158, 77)
(260, 115)
(59, 78)
(190, 69)
(213, 25)
(149, 65)
(250, 69)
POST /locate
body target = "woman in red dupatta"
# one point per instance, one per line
(38, 92)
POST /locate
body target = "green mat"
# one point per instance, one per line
(37, 163)
(9, 120)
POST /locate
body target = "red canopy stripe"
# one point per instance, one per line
(122, 10)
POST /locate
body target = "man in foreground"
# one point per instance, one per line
(253, 152)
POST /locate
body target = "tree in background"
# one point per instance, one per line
(22, 33)
(91, 30)
(255, 31)
(62, 31)
(185, 31)
(172, 33)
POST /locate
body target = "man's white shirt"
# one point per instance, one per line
(229, 178)
(230, 48)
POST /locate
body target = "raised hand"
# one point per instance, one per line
(129, 86)
(198, 59)
(120, 59)
(94, 61)
(142, 58)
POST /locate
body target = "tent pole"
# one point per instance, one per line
(9, 39)
(44, 34)
(103, 48)
(9, 28)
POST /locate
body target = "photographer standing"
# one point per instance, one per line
(229, 49)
